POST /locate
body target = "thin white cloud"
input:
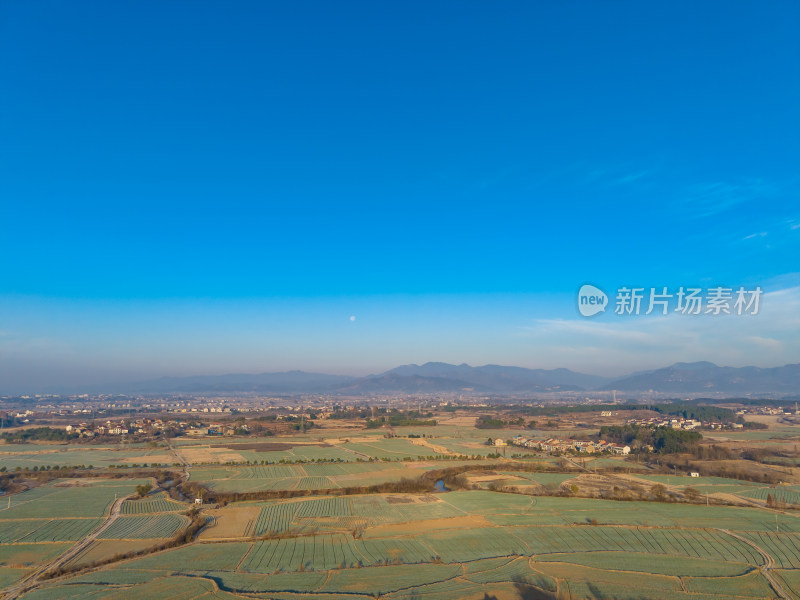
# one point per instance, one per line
(765, 342)
(619, 345)
(712, 198)
(634, 177)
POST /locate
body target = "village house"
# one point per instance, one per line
(619, 449)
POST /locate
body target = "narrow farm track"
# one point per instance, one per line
(769, 564)
(359, 454)
(179, 458)
(34, 578)
(438, 449)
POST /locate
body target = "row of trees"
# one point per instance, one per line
(487, 422)
(47, 434)
(665, 440)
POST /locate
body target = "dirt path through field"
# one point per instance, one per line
(34, 578)
(769, 564)
(434, 447)
(179, 458)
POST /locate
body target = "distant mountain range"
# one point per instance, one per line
(681, 378)
(698, 377)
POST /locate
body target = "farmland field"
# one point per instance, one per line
(460, 544)
(87, 498)
(779, 494)
(155, 503)
(151, 526)
(103, 549)
(44, 530)
(248, 478)
(308, 537)
(29, 555)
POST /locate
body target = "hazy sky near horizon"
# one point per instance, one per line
(195, 187)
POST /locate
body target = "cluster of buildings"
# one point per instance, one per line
(771, 410)
(681, 423)
(218, 429)
(672, 422)
(21, 417)
(122, 428)
(554, 445)
(205, 409)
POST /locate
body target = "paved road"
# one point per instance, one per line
(769, 564)
(34, 578)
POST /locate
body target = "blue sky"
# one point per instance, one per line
(197, 187)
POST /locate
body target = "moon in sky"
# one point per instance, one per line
(353, 318)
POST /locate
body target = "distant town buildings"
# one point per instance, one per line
(555, 445)
(681, 423)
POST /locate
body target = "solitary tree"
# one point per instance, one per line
(691, 493)
(143, 490)
(658, 491)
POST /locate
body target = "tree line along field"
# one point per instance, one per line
(462, 545)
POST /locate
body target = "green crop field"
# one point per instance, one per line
(385, 580)
(535, 541)
(18, 559)
(58, 530)
(645, 563)
(317, 553)
(783, 547)
(684, 480)
(155, 503)
(751, 585)
(91, 498)
(585, 582)
(317, 476)
(444, 546)
(9, 575)
(200, 557)
(515, 569)
(328, 507)
(275, 518)
(99, 550)
(32, 455)
(309, 453)
(149, 589)
(13, 531)
(779, 494)
(29, 555)
(390, 449)
(546, 479)
(315, 483)
(152, 526)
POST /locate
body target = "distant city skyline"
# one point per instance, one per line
(190, 189)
